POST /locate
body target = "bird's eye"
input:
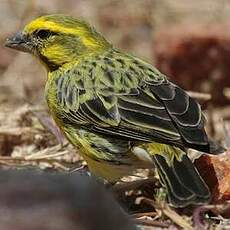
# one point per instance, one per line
(43, 34)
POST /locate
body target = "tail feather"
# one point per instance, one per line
(188, 174)
(177, 193)
(182, 181)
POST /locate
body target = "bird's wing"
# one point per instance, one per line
(184, 111)
(130, 99)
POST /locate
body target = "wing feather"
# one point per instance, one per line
(136, 102)
(185, 112)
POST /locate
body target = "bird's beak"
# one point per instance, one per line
(19, 42)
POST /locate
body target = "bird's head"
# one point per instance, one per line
(57, 40)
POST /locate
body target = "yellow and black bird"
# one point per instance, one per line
(119, 110)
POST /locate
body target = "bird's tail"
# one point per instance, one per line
(183, 183)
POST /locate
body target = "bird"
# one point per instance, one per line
(120, 111)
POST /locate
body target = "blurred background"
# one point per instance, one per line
(189, 41)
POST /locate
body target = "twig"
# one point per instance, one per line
(16, 131)
(132, 185)
(49, 152)
(227, 92)
(141, 214)
(176, 218)
(153, 223)
(200, 96)
(45, 155)
(7, 158)
(60, 166)
(21, 161)
(171, 214)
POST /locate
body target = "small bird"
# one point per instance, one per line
(121, 112)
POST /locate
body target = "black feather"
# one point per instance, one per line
(182, 181)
